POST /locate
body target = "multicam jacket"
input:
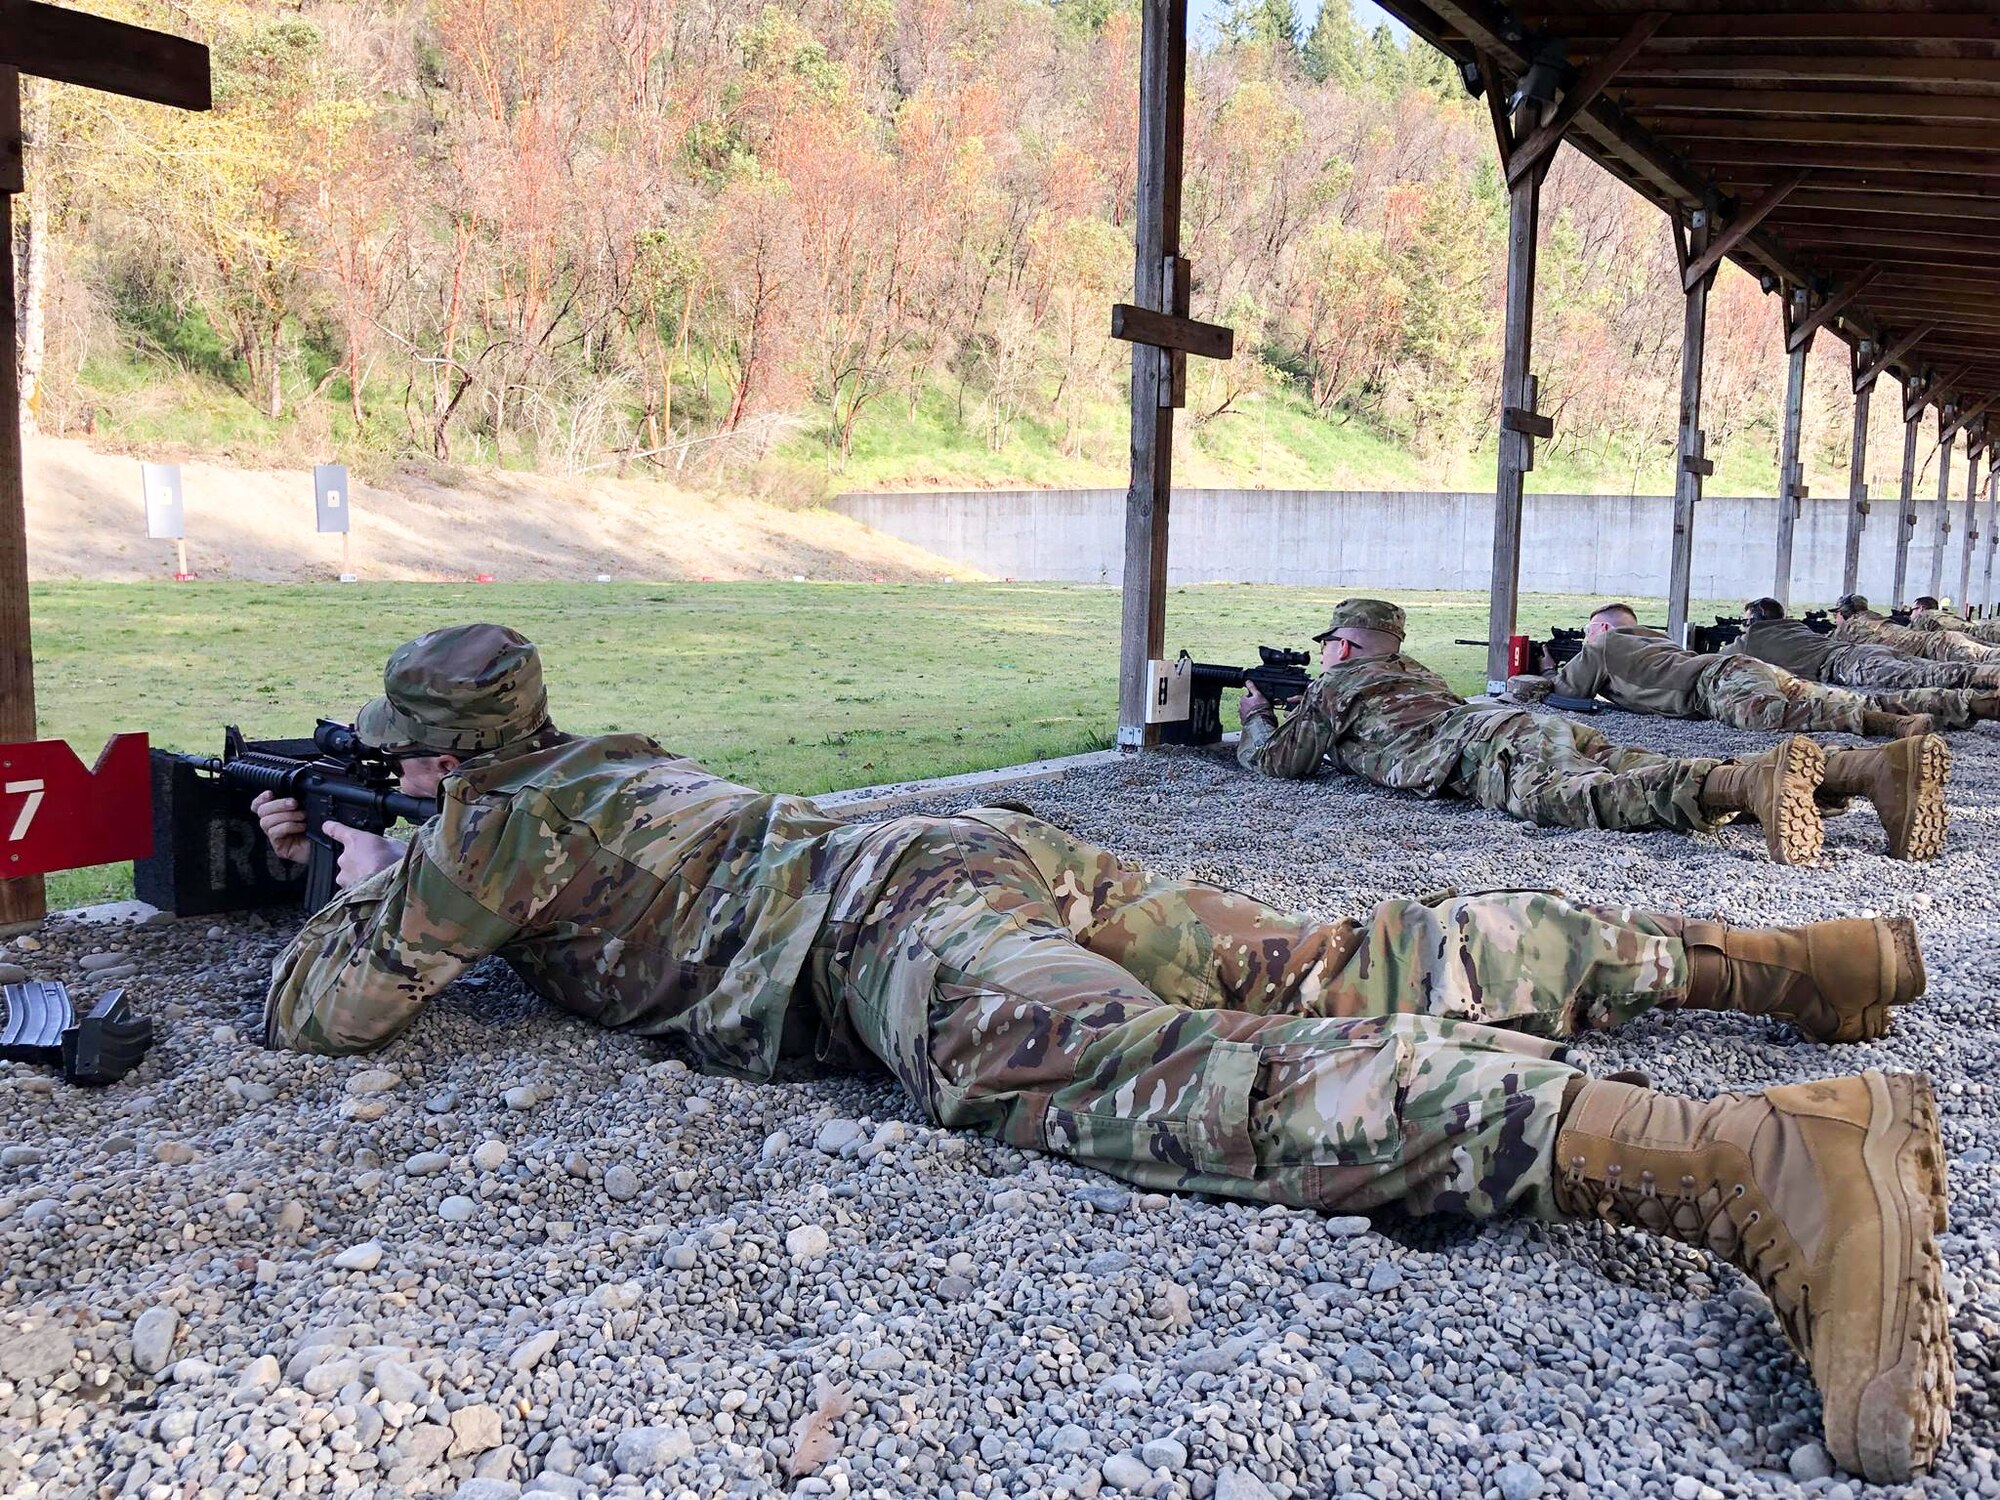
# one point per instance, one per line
(1874, 630)
(1640, 670)
(621, 882)
(1791, 644)
(1388, 718)
(1938, 619)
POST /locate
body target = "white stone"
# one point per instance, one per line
(1124, 1472)
(490, 1156)
(474, 1429)
(807, 1242)
(645, 1451)
(398, 1382)
(373, 1081)
(526, 1356)
(365, 1256)
(457, 1209)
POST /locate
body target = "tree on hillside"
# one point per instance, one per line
(1333, 49)
(1263, 23)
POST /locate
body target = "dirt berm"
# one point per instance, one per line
(86, 519)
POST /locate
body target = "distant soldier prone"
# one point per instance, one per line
(1029, 986)
(1642, 672)
(1864, 666)
(1377, 713)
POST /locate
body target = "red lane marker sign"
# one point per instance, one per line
(55, 815)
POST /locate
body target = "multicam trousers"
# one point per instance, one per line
(1862, 665)
(1038, 989)
(1546, 769)
(1746, 693)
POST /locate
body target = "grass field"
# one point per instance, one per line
(793, 687)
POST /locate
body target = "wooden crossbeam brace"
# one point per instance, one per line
(1801, 332)
(1698, 462)
(1738, 230)
(1542, 144)
(1964, 419)
(1865, 375)
(69, 46)
(1139, 325)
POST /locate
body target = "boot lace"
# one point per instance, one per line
(1712, 1216)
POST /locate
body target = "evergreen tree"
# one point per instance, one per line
(1265, 23)
(1333, 48)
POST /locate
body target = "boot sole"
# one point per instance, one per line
(1922, 766)
(1793, 832)
(1902, 1415)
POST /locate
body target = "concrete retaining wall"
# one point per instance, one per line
(1600, 545)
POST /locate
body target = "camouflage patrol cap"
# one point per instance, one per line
(457, 691)
(1851, 604)
(1365, 614)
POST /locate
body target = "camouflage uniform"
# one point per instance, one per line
(1875, 670)
(1395, 722)
(1986, 632)
(1017, 981)
(1868, 628)
(1643, 672)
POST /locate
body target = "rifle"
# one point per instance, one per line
(1562, 646)
(343, 780)
(1280, 676)
(1706, 640)
(1818, 621)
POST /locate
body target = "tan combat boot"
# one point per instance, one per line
(1777, 789)
(1876, 725)
(1835, 981)
(1830, 1196)
(1905, 780)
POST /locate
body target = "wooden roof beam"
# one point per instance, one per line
(1862, 26)
(1739, 229)
(1814, 104)
(1716, 155)
(71, 46)
(1544, 141)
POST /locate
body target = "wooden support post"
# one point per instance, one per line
(1972, 451)
(1986, 599)
(21, 901)
(1692, 464)
(1162, 100)
(1517, 395)
(1857, 489)
(1906, 508)
(1942, 529)
(1791, 475)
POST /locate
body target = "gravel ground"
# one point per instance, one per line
(510, 1254)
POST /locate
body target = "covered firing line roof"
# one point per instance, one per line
(1869, 130)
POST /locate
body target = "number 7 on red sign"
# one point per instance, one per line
(34, 792)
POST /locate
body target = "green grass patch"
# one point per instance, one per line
(792, 687)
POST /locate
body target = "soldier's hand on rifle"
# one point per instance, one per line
(1252, 703)
(361, 854)
(284, 824)
(1545, 662)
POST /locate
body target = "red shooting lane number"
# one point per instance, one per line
(55, 815)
